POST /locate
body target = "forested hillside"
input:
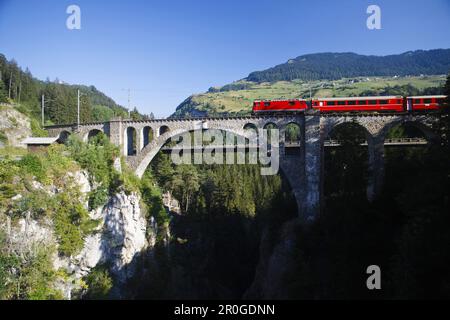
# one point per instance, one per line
(24, 90)
(332, 66)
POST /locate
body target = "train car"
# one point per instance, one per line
(355, 104)
(277, 106)
(423, 103)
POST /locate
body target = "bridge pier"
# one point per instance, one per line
(282, 147)
(313, 156)
(116, 132)
(375, 145)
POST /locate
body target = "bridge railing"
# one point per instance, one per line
(390, 141)
(297, 144)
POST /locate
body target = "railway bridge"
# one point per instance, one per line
(142, 140)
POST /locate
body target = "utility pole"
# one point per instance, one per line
(43, 106)
(129, 105)
(129, 100)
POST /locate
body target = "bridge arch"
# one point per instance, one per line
(270, 125)
(291, 136)
(427, 131)
(147, 154)
(349, 166)
(63, 136)
(92, 134)
(292, 132)
(250, 126)
(130, 141)
(163, 129)
(147, 135)
(353, 125)
(252, 131)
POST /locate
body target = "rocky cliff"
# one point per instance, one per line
(118, 239)
(14, 126)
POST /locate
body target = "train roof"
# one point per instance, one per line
(426, 97)
(358, 98)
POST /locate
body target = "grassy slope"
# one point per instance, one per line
(240, 101)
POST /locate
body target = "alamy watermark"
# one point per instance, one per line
(73, 21)
(216, 147)
(374, 20)
(374, 280)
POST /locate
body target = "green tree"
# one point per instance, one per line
(184, 183)
(99, 284)
(3, 94)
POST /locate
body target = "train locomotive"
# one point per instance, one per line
(352, 104)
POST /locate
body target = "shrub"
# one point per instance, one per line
(71, 222)
(98, 198)
(97, 157)
(99, 283)
(33, 165)
(3, 138)
(27, 276)
(36, 129)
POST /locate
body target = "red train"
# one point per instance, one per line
(353, 104)
(279, 105)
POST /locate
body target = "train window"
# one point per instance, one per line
(257, 104)
(416, 100)
(351, 103)
(373, 101)
(362, 102)
(331, 103)
(292, 103)
(384, 102)
(266, 104)
(399, 101)
(341, 103)
(427, 101)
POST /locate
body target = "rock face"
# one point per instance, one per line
(14, 125)
(171, 203)
(27, 233)
(120, 240)
(117, 242)
(124, 234)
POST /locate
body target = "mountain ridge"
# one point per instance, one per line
(337, 65)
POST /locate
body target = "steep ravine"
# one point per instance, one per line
(220, 257)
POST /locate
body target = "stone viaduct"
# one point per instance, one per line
(141, 141)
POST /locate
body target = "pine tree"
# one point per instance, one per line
(3, 94)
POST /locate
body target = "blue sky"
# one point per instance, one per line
(166, 50)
